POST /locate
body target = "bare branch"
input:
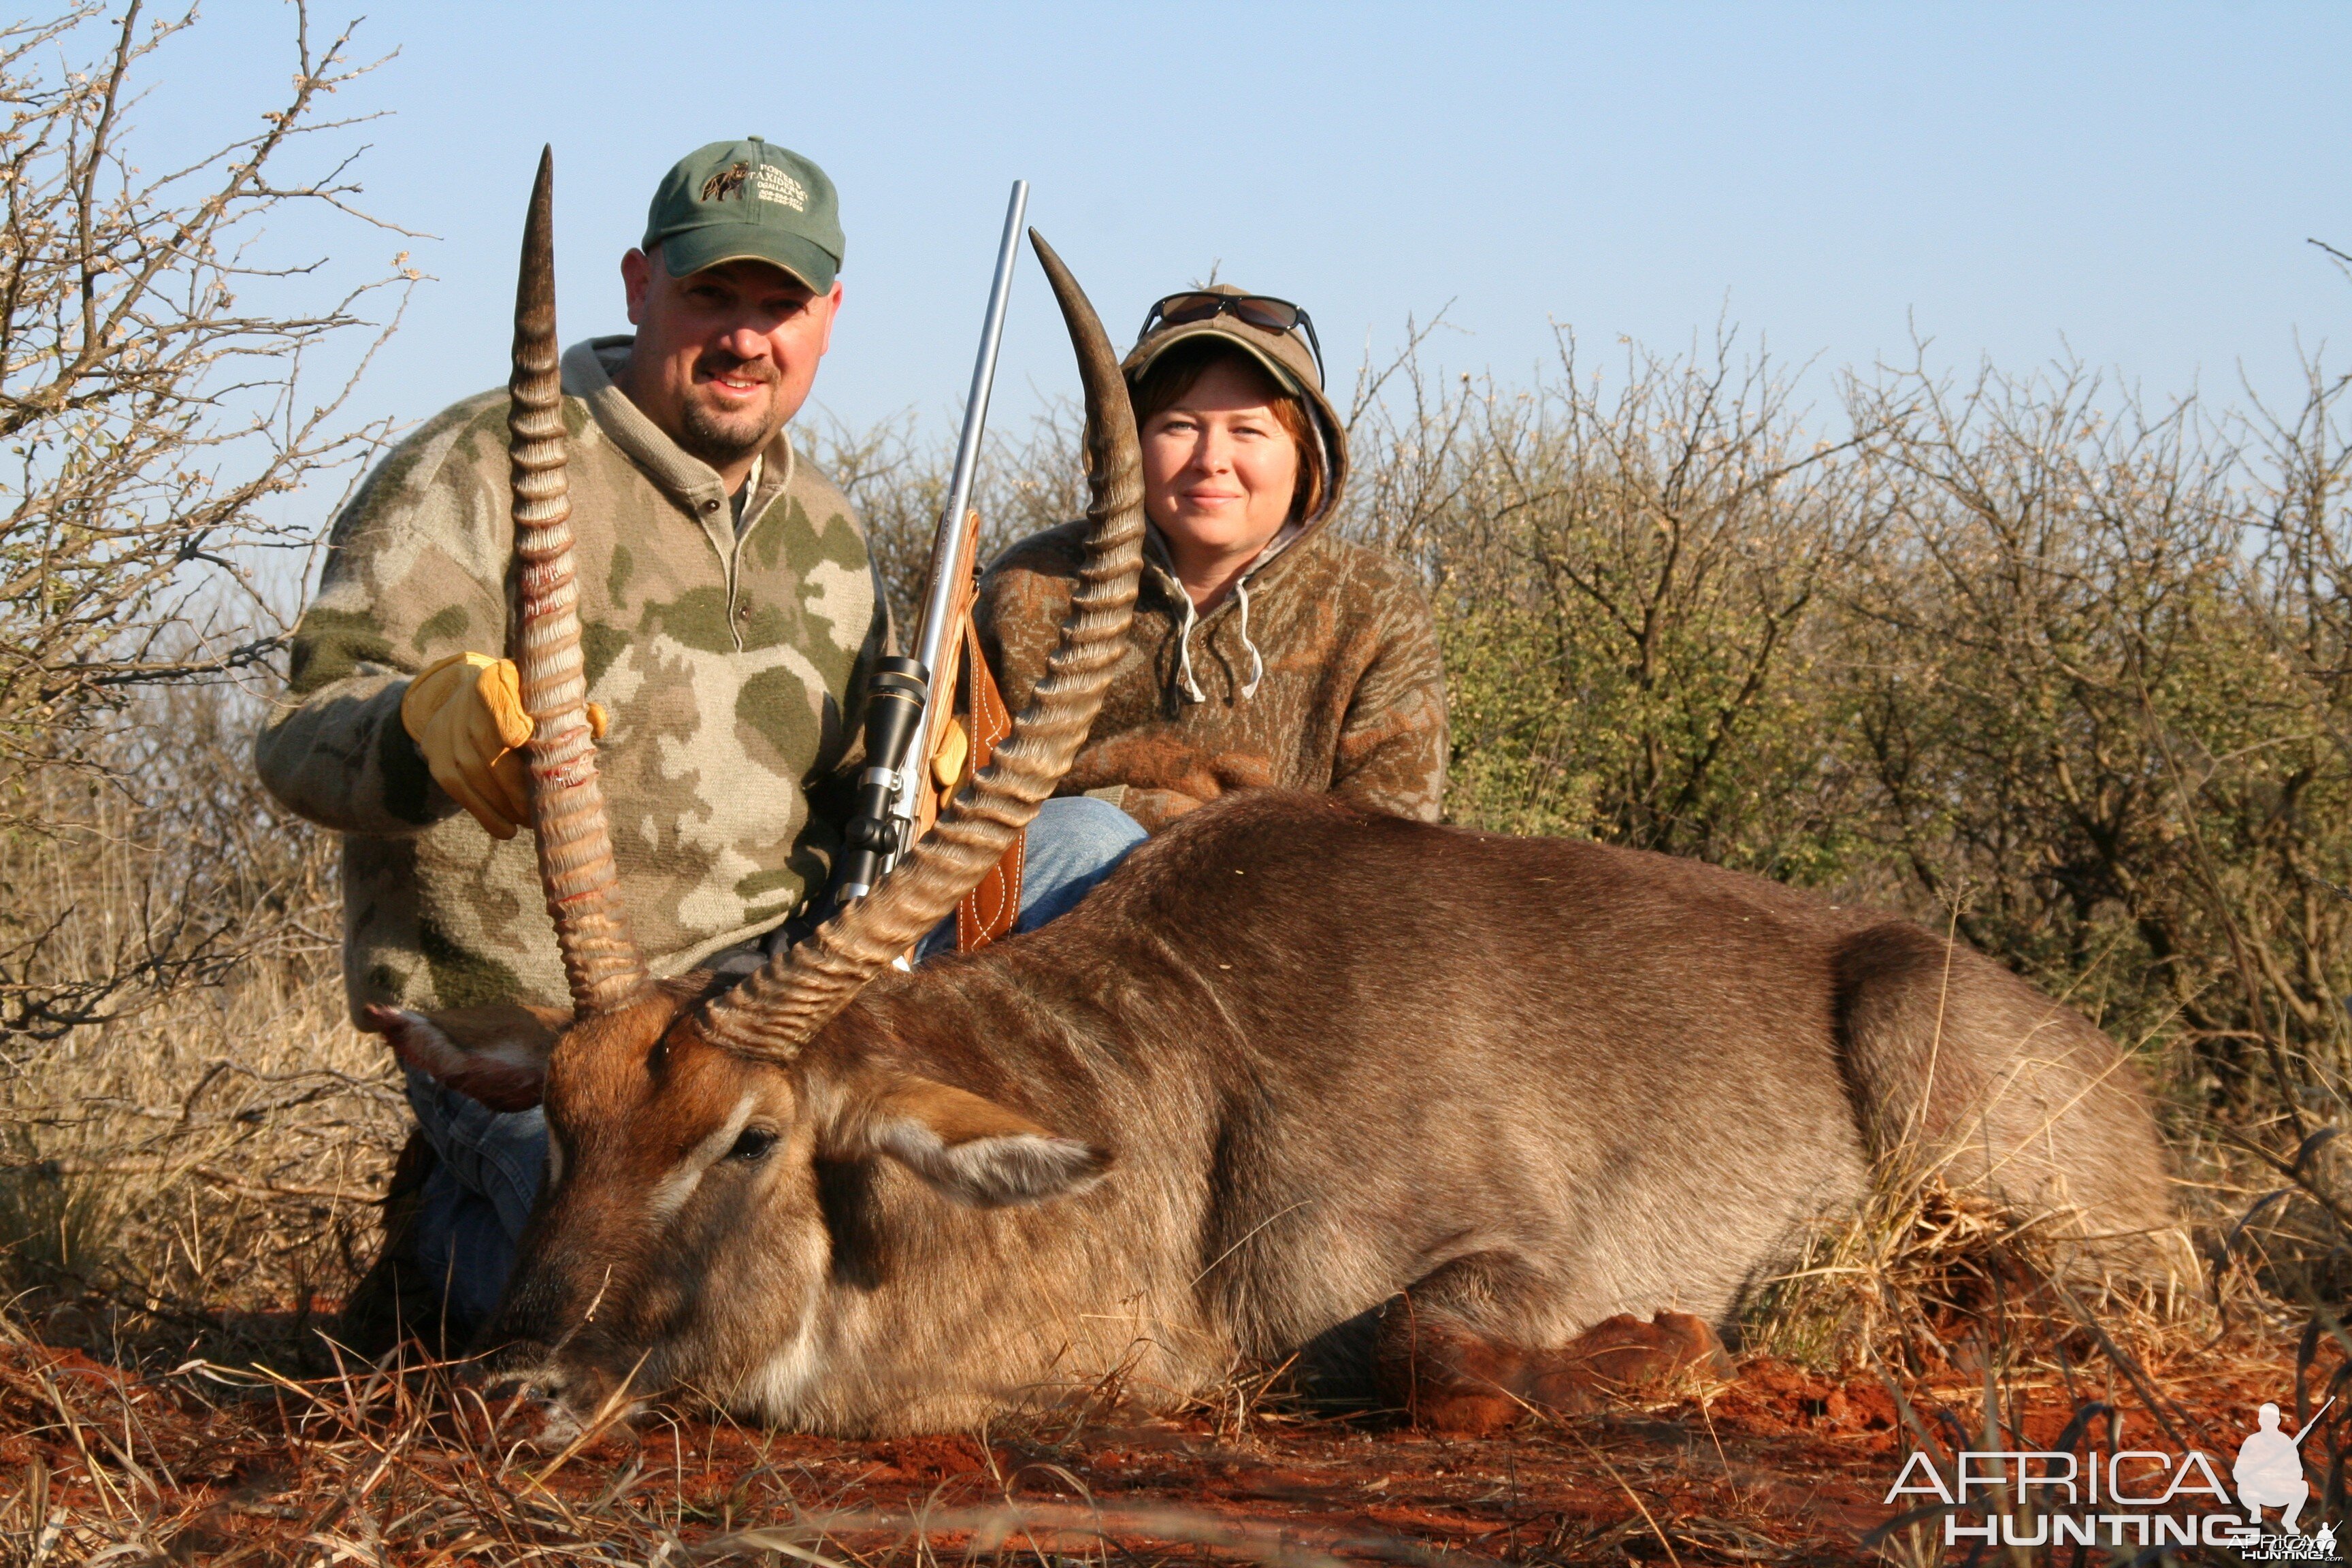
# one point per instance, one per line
(158, 408)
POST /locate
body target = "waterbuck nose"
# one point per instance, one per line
(521, 1386)
(519, 1369)
(546, 1402)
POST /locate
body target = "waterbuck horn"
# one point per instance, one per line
(567, 808)
(775, 1012)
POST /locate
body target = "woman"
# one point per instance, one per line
(1267, 653)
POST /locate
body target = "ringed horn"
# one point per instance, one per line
(775, 1011)
(772, 1014)
(601, 960)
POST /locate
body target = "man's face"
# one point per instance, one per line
(723, 356)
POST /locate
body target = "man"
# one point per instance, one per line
(730, 613)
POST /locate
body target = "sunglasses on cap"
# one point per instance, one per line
(1258, 309)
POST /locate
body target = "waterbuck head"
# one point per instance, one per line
(681, 1235)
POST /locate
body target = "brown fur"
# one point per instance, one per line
(1302, 1068)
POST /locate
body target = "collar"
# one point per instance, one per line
(1163, 564)
(687, 479)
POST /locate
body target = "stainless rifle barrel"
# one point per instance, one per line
(938, 608)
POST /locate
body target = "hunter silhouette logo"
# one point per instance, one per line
(2132, 1497)
(2269, 1471)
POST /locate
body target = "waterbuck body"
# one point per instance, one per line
(1288, 1062)
(1454, 1107)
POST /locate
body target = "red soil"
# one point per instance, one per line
(1775, 1465)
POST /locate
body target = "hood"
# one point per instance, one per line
(1285, 357)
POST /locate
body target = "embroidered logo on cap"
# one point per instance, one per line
(727, 182)
(769, 182)
(775, 185)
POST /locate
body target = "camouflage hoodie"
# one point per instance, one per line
(729, 661)
(1319, 671)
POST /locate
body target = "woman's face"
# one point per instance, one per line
(1219, 469)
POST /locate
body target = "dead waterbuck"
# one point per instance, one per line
(1493, 1117)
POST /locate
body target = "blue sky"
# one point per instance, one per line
(2132, 182)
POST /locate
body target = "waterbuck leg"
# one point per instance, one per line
(1450, 1351)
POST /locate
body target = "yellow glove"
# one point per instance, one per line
(465, 713)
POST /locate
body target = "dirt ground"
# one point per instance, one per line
(1775, 1465)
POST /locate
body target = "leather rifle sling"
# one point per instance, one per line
(988, 911)
(938, 784)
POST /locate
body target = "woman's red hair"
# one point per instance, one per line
(1178, 371)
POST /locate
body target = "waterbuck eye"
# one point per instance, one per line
(753, 1144)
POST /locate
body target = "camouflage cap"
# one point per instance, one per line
(747, 201)
(1283, 356)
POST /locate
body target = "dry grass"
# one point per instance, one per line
(408, 1463)
(191, 1172)
(1904, 1279)
(198, 1180)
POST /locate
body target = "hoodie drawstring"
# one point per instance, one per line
(1257, 664)
(1192, 692)
(1186, 682)
(1192, 687)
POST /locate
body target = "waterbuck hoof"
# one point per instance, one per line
(1623, 1356)
(1452, 1381)
(1457, 1383)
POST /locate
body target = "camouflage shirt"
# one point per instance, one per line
(730, 660)
(1319, 672)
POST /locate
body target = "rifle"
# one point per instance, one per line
(904, 704)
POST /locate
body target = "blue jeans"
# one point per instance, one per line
(489, 1163)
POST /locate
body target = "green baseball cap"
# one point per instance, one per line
(747, 201)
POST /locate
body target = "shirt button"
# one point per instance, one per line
(742, 612)
(711, 506)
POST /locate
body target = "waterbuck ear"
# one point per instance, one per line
(497, 1055)
(975, 1150)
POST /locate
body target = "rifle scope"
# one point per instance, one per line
(894, 700)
